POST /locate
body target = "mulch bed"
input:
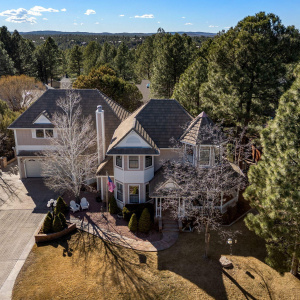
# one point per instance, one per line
(97, 214)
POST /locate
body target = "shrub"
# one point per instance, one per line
(126, 214)
(62, 219)
(113, 206)
(61, 206)
(145, 221)
(47, 226)
(57, 226)
(133, 224)
(138, 209)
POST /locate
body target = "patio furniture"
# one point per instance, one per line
(84, 204)
(74, 206)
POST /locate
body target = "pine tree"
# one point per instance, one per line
(62, 218)
(57, 225)
(6, 64)
(90, 56)
(105, 57)
(274, 185)
(247, 70)
(145, 221)
(123, 62)
(113, 207)
(133, 223)
(76, 60)
(47, 226)
(61, 206)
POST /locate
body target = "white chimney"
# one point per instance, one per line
(100, 129)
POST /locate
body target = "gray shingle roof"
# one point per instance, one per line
(196, 128)
(157, 122)
(106, 167)
(46, 104)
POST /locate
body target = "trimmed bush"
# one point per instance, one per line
(138, 209)
(62, 219)
(61, 206)
(47, 226)
(133, 223)
(57, 226)
(145, 221)
(126, 214)
(113, 207)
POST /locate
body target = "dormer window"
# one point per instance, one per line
(119, 161)
(190, 153)
(133, 162)
(204, 156)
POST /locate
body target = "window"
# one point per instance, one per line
(119, 161)
(147, 192)
(119, 191)
(204, 156)
(217, 155)
(39, 133)
(43, 133)
(133, 194)
(133, 162)
(49, 132)
(148, 161)
(189, 153)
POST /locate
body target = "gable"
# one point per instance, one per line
(169, 184)
(42, 119)
(133, 140)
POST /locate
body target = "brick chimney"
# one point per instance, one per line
(100, 128)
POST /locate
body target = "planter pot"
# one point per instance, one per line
(120, 216)
(45, 237)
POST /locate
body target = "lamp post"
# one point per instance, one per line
(229, 242)
(52, 203)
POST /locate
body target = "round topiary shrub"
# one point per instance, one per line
(47, 226)
(61, 206)
(126, 214)
(145, 221)
(133, 223)
(113, 206)
(57, 226)
(62, 219)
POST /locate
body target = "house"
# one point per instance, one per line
(131, 147)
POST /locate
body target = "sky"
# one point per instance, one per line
(117, 16)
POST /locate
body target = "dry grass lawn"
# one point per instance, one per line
(82, 266)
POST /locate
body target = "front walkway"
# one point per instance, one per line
(168, 239)
(20, 216)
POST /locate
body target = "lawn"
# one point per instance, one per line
(81, 266)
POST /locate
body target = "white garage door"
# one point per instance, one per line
(33, 168)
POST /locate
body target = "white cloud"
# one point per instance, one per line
(188, 24)
(75, 23)
(121, 15)
(227, 27)
(81, 24)
(45, 19)
(97, 23)
(63, 9)
(145, 16)
(22, 15)
(37, 10)
(158, 22)
(182, 17)
(213, 26)
(89, 12)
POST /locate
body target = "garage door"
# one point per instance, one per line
(33, 168)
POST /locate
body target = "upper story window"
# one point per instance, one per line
(119, 161)
(204, 156)
(148, 161)
(119, 191)
(43, 133)
(133, 162)
(189, 150)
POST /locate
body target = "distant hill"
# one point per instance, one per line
(49, 32)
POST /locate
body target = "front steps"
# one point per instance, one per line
(169, 225)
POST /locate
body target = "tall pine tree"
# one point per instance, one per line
(274, 185)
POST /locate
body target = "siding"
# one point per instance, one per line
(24, 137)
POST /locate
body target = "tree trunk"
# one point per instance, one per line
(207, 239)
(295, 261)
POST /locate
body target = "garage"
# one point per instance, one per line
(33, 168)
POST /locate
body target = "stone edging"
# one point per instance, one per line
(45, 237)
(168, 239)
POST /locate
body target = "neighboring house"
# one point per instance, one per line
(131, 147)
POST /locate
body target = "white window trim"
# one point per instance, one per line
(123, 201)
(138, 163)
(44, 129)
(145, 162)
(121, 168)
(137, 184)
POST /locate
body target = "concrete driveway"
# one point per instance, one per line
(20, 216)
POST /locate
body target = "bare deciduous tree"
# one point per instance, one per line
(201, 190)
(20, 91)
(72, 159)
